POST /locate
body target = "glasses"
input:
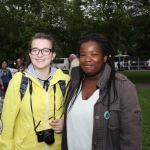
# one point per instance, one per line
(44, 51)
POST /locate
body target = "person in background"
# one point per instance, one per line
(6, 76)
(2, 86)
(148, 64)
(20, 64)
(119, 65)
(102, 109)
(129, 64)
(1, 95)
(35, 121)
(74, 61)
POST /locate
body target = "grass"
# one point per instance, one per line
(144, 99)
(137, 76)
(134, 76)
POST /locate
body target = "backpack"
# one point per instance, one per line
(24, 84)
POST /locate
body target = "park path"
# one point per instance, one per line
(142, 85)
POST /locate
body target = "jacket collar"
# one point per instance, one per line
(102, 83)
(76, 74)
(54, 76)
(31, 70)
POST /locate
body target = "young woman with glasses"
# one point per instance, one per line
(35, 120)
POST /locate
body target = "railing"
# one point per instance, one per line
(137, 63)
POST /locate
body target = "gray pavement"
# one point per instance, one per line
(142, 85)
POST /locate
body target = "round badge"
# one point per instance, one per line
(106, 115)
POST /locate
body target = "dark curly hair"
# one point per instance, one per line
(98, 38)
(106, 50)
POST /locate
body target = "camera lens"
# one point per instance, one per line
(49, 137)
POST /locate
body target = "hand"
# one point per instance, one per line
(14, 71)
(57, 125)
(2, 87)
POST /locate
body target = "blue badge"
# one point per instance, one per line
(106, 115)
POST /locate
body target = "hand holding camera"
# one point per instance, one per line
(47, 136)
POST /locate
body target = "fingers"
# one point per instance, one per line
(57, 125)
(57, 130)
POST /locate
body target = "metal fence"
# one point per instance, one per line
(137, 63)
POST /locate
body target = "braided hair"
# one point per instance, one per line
(99, 39)
(106, 51)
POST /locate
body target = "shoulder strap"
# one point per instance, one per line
(62, 85)
(23, 85)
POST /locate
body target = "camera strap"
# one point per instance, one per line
(30, 90)
(54, 100)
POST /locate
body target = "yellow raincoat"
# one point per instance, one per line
(17, 128)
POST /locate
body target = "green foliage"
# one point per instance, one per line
(120, 21)
(143, 34)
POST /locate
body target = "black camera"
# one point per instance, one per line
(46, 136)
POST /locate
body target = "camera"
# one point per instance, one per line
(46, 136)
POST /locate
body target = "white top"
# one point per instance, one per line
(80, 123)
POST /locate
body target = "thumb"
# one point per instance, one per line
(54, 121)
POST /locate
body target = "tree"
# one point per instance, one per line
(121, 21)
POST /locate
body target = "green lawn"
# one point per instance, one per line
(137, 76)
(144, 99)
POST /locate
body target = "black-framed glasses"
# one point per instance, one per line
(44, 51)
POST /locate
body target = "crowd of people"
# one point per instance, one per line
(91, 108)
